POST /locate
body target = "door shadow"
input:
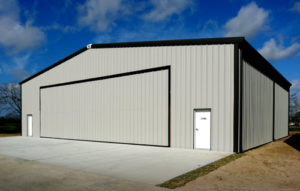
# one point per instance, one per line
(294, 141)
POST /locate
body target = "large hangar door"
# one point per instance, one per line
(130, 108)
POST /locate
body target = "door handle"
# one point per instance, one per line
(197, 129)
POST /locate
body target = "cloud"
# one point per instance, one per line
(16, 66)
(163, 9)
(98, 15)
(250, 20)
(296, 7)
(273, 51)
(62, 28)
(15, 35)
(295, 85)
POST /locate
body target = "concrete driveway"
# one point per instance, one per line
(144, 164)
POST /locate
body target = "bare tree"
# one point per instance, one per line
(10, 99)
(294, 103)
(294, 112)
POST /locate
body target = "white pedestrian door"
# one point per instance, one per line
(202, 129)
(29, 125)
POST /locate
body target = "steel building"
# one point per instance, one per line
(218, 94)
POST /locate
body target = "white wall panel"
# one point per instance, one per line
(201, 77)
(257, 108)
(281, 112)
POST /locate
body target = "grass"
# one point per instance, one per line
(192, 175)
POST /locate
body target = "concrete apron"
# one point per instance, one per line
(144, 164)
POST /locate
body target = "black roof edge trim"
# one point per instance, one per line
(255, 59)
(200, 41)
(54, 65)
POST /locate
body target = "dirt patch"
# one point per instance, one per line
(275, 166)
(10, 134)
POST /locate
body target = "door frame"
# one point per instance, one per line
(194, 132)
(31, 125)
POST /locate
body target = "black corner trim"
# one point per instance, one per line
(236, 100)
(22, 133)
(169, 106)
(54, 65)
(289, 107)
(273, 133)
(241, 99)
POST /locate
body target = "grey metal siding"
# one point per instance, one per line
(201, 77)
(127, 109)
(281, 112)
(257, 115)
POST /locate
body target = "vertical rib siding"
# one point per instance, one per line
(281, 110)
(201, 77)
(73, 112)
(257, 108)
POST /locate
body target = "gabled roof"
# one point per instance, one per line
(261, 63)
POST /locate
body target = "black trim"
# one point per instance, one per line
(21, 111)
(273, 133)
(108, 77)
(116, 76)
(241, 98)
(169, 106)
(54, 65)
(103, 141)
(179, 42)
(236, 100)
(289, 112)
(40, 107)
(261, 64)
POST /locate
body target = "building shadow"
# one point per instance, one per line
(294, 141)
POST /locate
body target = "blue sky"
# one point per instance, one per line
(35, 34)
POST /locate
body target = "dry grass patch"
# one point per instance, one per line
(192, 175)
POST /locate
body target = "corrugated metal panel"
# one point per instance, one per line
(257, 108)
(128, 109)
(201, 77)
(281, 112)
